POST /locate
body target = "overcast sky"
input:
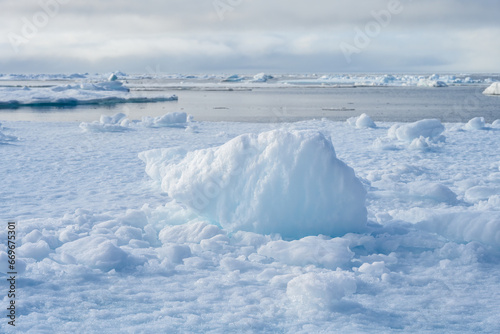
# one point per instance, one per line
(213, 36)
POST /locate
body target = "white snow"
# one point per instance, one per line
(289, 183)
(493, 89)
(427, 128)
(102, 249)
(174, 119)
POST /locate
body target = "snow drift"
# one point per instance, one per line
(289, 183)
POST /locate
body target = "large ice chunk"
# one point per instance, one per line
(493, 89)
(289, 183)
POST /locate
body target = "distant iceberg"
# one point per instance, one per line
(261, 77)
(494, 89)
(233, 78)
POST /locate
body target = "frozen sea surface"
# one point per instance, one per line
(101, 247)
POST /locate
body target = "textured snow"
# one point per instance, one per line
(101, 249)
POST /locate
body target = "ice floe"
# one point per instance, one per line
(106, 92)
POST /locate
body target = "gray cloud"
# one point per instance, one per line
(446, 35)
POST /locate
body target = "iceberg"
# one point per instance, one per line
(493, 89)
(290, 183)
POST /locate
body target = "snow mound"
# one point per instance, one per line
(465, 226)
(481, 193)
(477, 123)
(289, 183)
(321, 291)
(326, 253)
(115, 123)
(261, 77)
(361, 122)
(493, 89)
(107, 92)
(427, 128)
(433, 191)
(97, 252)
(173, 119)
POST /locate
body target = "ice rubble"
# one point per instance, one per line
(289, 183)
(111, 91)
(493, 89)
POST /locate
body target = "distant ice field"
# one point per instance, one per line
(214, 99)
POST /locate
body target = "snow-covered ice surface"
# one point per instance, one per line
(102, 249)
(107, 92)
